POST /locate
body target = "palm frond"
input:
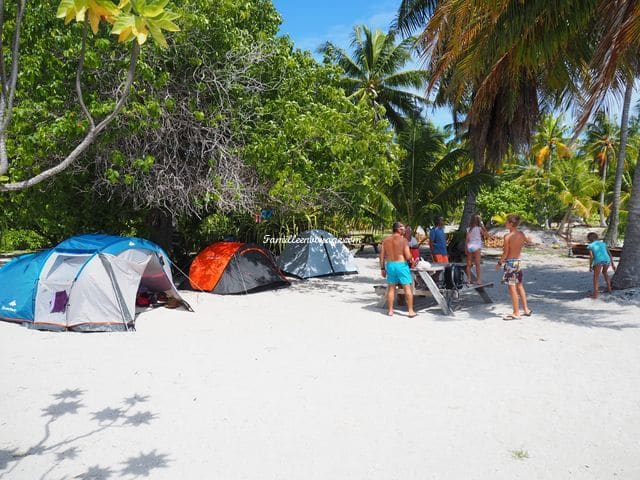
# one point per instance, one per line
(413, 15)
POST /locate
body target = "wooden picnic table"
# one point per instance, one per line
(423, 285)
(361, 240)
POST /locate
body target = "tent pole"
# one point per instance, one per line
(324, 244)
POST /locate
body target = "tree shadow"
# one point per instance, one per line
(69, 402)
(144, 463)
(96, 472)
(335, 286)
(556, 292)
(6, 457)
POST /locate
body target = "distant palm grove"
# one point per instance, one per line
(190, 122)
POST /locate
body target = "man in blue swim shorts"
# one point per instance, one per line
(394, 256)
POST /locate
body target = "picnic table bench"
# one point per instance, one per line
(423, 285)
(582, 250)
(361, 240)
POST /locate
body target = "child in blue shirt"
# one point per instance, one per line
(599, 261)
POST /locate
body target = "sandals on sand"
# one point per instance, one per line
(510, 317)
(528, 314)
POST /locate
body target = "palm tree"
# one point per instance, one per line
(431, 180)
(616, 54)
(576, 186)
(374, 73)
(601, 145)
(550, 141)
(490, 45)
(478, 51)
(614, 218)
(549, 144)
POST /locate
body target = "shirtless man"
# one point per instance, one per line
(394, 256)
(513, 243)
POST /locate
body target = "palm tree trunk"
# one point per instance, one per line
(565, 221)
(470, 202)
(477, 139)
(614, 217)
(603, 222)
(628, 272)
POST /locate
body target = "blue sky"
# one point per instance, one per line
(311, 23)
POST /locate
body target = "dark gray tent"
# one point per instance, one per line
(316, 253)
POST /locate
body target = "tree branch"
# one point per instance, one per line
(8, 97)
(3, 72)
(83, 51)
(4, 160)
(88, 139)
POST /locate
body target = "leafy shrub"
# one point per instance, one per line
(507, 197)
(12, 240)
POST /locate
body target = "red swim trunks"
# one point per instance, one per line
(437, 258)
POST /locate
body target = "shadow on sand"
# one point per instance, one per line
(558, 293)
(69, 402)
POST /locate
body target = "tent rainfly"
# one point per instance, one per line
(234, 267)
(316, 253)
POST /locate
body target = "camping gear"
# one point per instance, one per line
(453, 276)
(86, 283)
(234, 267)
(316, 253)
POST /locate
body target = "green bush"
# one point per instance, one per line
(12, 240)
(507, 197)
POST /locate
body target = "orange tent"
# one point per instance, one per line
(234, 267)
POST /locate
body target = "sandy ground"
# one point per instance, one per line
(315, 382)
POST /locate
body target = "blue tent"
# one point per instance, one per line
(87, 283)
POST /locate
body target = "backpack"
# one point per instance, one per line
(453, 277)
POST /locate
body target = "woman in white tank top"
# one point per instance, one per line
(473, 246)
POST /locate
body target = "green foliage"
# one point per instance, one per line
(508, 196)
(12, 240)
(315, 147)
(432, 179)
(130, 19)
(53, 214)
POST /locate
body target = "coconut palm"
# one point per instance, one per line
(374, 73)
(576, 186)
(430, 181)
(492, 45)
(549, 144)
(550, 141)
(614, 218)
(601, 146)
(616, 53)
(482, 51)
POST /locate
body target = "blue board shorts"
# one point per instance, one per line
(398, 272)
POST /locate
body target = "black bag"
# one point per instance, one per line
(453, 277)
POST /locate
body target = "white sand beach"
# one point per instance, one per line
(316, 382)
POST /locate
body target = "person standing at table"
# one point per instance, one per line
(438, 242)
(473, 246)
(438, 246)
(394, 256)
(413, 244)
